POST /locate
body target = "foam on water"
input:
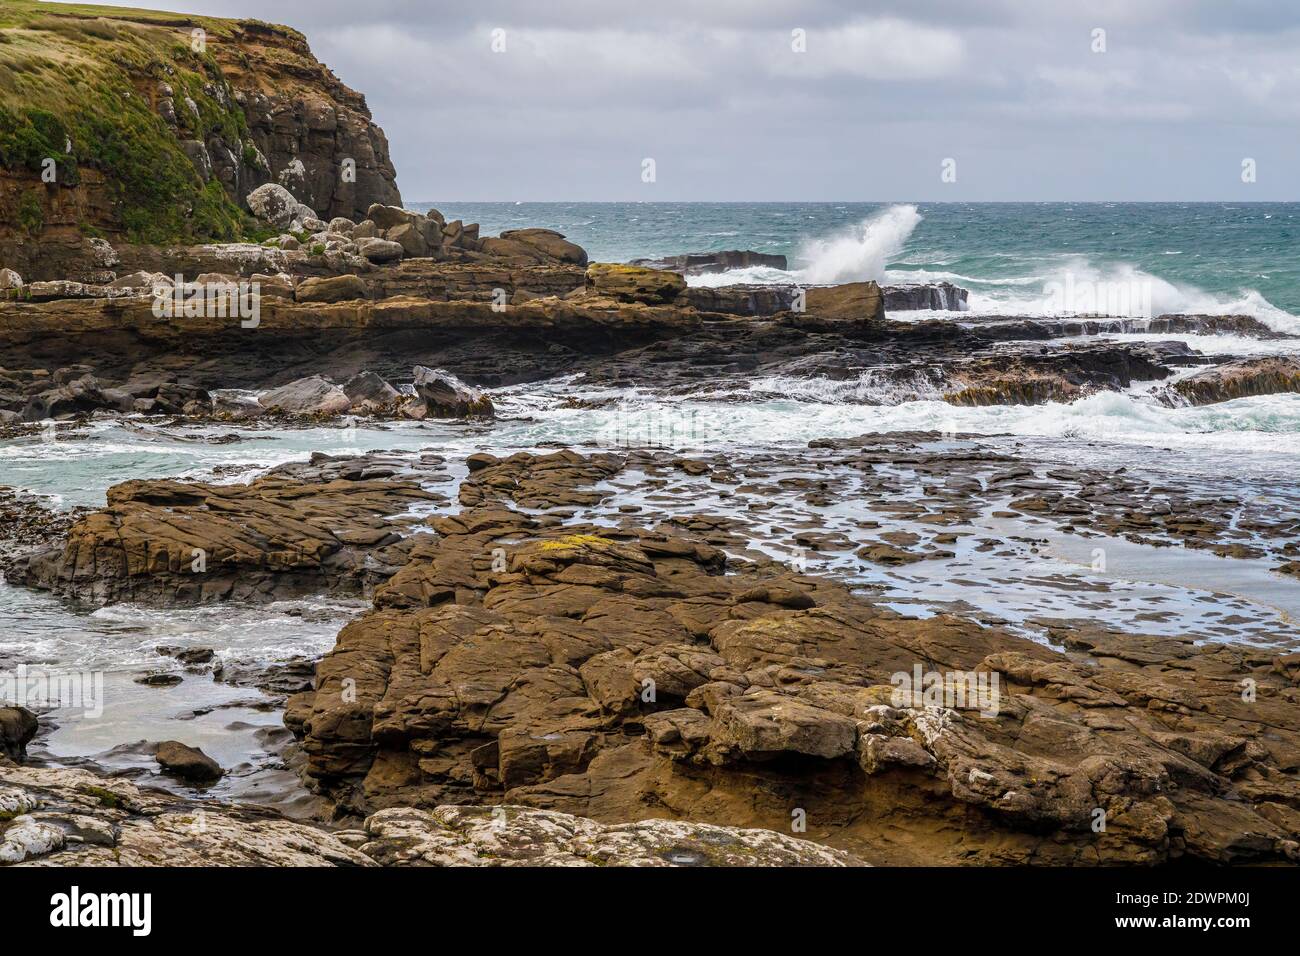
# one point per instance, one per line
(1054, 284)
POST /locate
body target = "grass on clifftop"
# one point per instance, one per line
(76, 84)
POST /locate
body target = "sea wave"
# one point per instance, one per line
(861, 252)
(1077, 285)
(1045, 286)
(855, 254)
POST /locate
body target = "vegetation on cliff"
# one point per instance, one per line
(153, 126)
(70, 99)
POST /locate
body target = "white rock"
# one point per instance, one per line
(25, 838)
(276, 205)
(524, 836)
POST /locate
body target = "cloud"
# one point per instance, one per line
(886, 49)
(713, 90)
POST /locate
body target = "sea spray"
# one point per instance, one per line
(862, 252)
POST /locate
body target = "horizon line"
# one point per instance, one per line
(927, 202)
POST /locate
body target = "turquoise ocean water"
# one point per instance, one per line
(1198, 257)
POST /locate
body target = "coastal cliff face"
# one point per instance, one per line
(143, 126)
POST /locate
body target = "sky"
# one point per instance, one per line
(764, 100)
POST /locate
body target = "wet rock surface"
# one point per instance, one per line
(330, 523)
(493, 316)
(769, 691)
(1223, 383)
(542, 645)
(188, 763)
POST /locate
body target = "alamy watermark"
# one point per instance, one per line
(952, 690)
(1124, 298)
(210, 300)
(50, 690)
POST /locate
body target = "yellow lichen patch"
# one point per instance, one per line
(570, 541)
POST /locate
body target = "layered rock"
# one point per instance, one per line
(1240, 379)
(634, 283)
(330, 524)
(52, 817)
(523, 836)
(941, 296)
(765, 300)
(705, 263)
(605, 671)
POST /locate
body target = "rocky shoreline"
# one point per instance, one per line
(520, 655)
(511, 641)
(615, 650)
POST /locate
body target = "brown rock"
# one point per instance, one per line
(188, 763)
(634, 284)
(333, 289)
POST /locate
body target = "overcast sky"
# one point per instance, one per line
(885, 91)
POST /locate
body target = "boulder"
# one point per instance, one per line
(306, 396)
(550, 243)
(274, 204)
(634, 284)
(410, 238)
(329, 289)
(387, 217)
(188, 763)
(368, 392)
(10, 280)
(17, 728)
(80, 396)
(381, 250)
(537, 245)
(446, 396)
(341, 225)
(851, 302)
(142, 280)
(1223, 383)
(273, 286)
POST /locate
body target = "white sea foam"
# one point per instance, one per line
(853, 255)
(1040, 295)
(862, 252)
(866, 250)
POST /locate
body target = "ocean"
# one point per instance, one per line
(1199, 257)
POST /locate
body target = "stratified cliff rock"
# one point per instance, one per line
(145, 126)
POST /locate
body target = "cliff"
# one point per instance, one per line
(146, 126)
